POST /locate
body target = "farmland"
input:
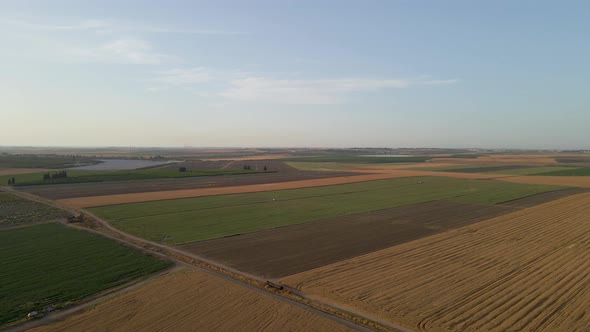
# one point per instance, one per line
(50, 265)
(42, 161)
(195, 219)
(306, 246)
(576, 171)
(62, 191)
(356, 159)
(190, 300)
(82, 176)
(15, 211)
(524, 271)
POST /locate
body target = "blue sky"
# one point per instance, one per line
(495, 74)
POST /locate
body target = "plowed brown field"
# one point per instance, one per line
(525, 271)
(194, 301)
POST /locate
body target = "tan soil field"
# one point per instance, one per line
(525, 271)
(191, 300)
(16, 171)
(571, 181)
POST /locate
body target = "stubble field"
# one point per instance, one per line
(524, 271)
(194, 301)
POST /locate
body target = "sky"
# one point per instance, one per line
(463, 74)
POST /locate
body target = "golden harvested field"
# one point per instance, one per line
(525, 271)
(191, 300)
(571, 181)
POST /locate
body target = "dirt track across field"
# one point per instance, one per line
(191, 300)
(524, 271)
(288, 250)
(63, 191)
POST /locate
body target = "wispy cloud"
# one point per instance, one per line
(260, 89)
(104, 26)
(125, 51)
(183, 76)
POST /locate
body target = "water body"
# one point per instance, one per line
(122, 164)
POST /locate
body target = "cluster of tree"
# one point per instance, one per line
(11, 181)
(248, 167)
(182, 169)
(56, 175)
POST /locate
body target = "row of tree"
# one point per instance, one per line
(248, 167)
(56, 175)
(11, 181)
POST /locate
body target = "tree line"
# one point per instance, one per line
(56, 175)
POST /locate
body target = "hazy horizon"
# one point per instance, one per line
(454, 74)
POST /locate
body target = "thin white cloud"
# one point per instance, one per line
(125, 51)
(260, 89)
(183, 76)
(103, 26)
(440, 82)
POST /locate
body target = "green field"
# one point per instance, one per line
(581, 171)
(42, 161)
(194, 219)
(80, 176)
(53, 265)
(17, 211)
